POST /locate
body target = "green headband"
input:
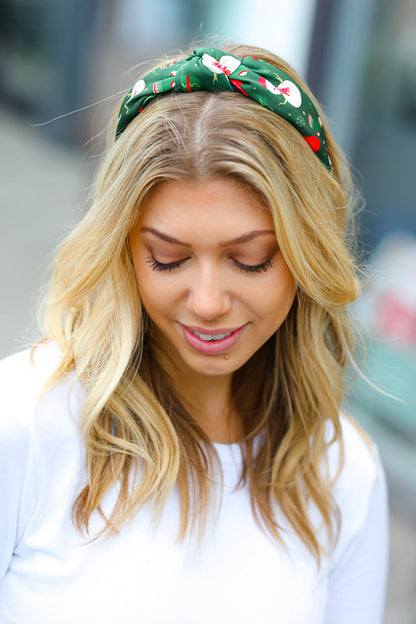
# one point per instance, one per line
(209, 69)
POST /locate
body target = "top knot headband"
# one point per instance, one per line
(209, 69)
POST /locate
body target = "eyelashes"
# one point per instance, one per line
(159, 266)
(256, 268)
(244, 268)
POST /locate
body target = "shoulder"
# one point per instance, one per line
(23, 375)
(361, 458)
(360, 452)
(354, 453)
(41, 358)
(41, 448)
(22, 379)
(23, 366)
(360, 475)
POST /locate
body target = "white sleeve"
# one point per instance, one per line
(17, 465)
(358, 580)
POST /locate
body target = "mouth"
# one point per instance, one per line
(209, 337)
(212, 342)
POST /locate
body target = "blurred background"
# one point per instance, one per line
(58, 58)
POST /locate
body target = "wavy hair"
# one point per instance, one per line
(136, 431)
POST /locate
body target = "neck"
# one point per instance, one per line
(208, 398)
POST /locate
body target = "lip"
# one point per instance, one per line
(212, 347)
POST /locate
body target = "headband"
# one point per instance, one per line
(209, 69)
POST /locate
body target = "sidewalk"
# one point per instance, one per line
(42, 185)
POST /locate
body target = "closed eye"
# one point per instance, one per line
(160, 266)
(244, 268)
(256, 268)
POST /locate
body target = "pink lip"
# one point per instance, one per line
(215, 346)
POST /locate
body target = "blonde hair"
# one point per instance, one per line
(132, 424)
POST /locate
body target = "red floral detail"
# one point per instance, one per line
(222, 68)
(271, 87)
(188, 84)
(314, 142)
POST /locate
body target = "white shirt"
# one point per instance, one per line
(49, 574)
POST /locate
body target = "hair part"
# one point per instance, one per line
(136, 430)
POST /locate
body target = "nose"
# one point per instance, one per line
(208, 297)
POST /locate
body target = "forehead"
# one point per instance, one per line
(224, 202)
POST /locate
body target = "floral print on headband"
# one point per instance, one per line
(209, 69)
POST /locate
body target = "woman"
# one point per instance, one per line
(173, 449)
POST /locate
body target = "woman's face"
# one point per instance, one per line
(210, 273)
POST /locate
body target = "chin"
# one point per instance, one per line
(217, 366)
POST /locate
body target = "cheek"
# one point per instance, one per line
(158, 293)
(153, 298)
(277, 298)
(153, 287)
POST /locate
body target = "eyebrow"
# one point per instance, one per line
(244, 238)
